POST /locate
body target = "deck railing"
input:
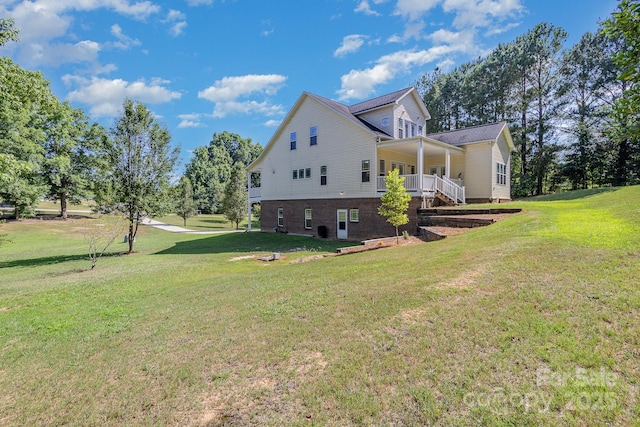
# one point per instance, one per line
(430, 183)
(254, 192)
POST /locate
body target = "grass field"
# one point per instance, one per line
(534, 320)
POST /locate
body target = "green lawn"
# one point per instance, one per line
(534, 320)
(204, 222)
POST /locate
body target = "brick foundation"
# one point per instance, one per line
(324, 213)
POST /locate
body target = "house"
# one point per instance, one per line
(322, 172)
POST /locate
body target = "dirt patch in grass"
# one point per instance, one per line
(465, 280)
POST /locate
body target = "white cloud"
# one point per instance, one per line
(414, 9)
(43, 21)
(124, 42)
(105, 96)
(350, 44)
(177, 20)
(56, 54)
(365, 8)
(225, 93)
(192, 120)
(358, 84)
(482, 13)
(272, 123)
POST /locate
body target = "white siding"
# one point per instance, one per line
(375, 118)
(478, 175)
(341, 147)
(501, 154)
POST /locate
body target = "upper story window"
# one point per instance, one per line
(419, 129)
(292, 140)
(323, 175)
(400, 128)
(313, 135)
(366, 170)
(501, 173)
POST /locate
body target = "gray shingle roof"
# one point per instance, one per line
(469, 135)
(380, 101)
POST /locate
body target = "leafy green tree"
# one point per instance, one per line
(234, 203)
(143, 162)
(18, 184)
(8, 31)
(210, 168)
(73, 150)
(395, 201)
(186, 206)
(625, 127)
(588, 82)
(25, 102)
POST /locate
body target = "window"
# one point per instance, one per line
(300, 173)
(354, 215)
(292, 140)
(399, 166)
(313, 135)
(307, 219)
(400, 128)
(366, 171)
(295, 174)
(406, 129)
(501, 173)
(280, 217)
(323, 175)
(383, 167)
(384, 121)
(412, 168)
(413, 129)
(307, 173)
(419, 129)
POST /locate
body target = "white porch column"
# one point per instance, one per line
(420, 164)
(248, 201)
(447, 163)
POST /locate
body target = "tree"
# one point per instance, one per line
(25, 101)
(186, 206)
(18, 185)
(234, 203)
(623, 25)
(395, 201)
(73, 150)
(587, 91)
(8, 31)
(100, 233)
(143, 162)
(210, 168)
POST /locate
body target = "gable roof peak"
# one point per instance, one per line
(379, 101)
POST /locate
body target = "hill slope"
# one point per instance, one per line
(533, 320)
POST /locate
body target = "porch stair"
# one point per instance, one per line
(445, 190)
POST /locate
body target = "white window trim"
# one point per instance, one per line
(280, 217)
(309, 218)
(352, 217)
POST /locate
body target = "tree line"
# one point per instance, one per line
(573, 113)
(50, 149)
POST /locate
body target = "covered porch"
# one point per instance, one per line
(426, 166)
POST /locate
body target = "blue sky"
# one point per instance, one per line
(205, 66)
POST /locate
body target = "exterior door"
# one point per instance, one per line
(342, 223)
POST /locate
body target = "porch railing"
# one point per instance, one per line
(254, 192)
(430, 183)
